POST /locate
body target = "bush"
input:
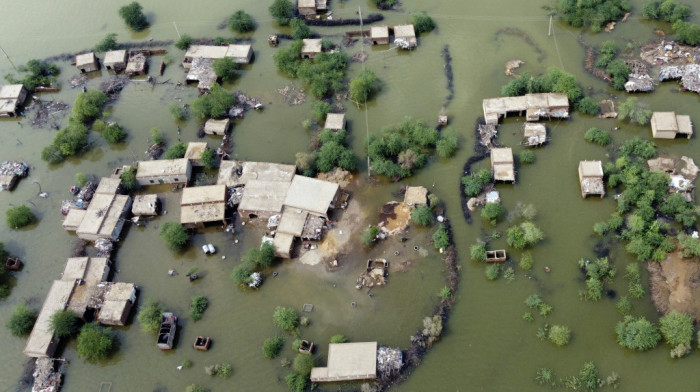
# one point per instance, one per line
(559, 335)
(687, 33)
(114, 134)
(288, 60)
(676, 328)
(422, 216)
(296, 382)
(598, 136)
(492, 271)
(66, 142)
(545, 376)
(176, 151)
(209, 159)
(422, 23)
(178, 112)
(303, 364)
(689, 246)
(39, 73)
(447, 144)
(225, 68)
(199, 305)
(593, 14)
(619, 72)
(320, 109)
(133, 16)
(64, 323)
(369, 236)
(184, 42)
(285, 318)
(262, 257)
(156, 136)
(634, 111)
(241, 22)
(22, 320)
(492, 211)
(445, 293)
(174, 234)
(282, 11)
(588, 106)
(81, 179)
(272, 347)
(523, 236)
(19, 216)
(478, 252)
(534, 301)
(637, 333)
(215, 104)
(526, 261)
(475, 182)
(88, 106)
(338, 339)
(95, 342)
(241, 274)
(669, 10)
(527, 156)
(150, 316)
(195, 388)
(109, 42)
(441, 239)
(299, 29)
(400, 150)
(363, 86)
(553, 81)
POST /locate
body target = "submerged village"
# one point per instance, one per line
(308, 199)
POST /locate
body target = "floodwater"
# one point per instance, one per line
(486, 345)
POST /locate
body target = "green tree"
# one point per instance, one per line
(676, 328)
(213, 105)
(369, 236)
(282, 11)
(637, 333)
(19, 216)
(209, 159)
(303, 364)
(241, 274)
(262, 257)
(64, 323)
(687, 33)
(88, 105)
(288, 60)
(526, 261)
(195, 388)
(559, 335)
(422, 23)
(299, 29)
(492, 271)
(527, 156)
(285, 318)
(441, 239)
(634, 111)
(475, 182)
(114, 134)
(109, 42)
(492, 211)
(198, 306)
(81, 179)
(39, 73)
(184, 42)
(133, 16)
(422, 216)
(176, 151)
(447, 144)
(593, 14)
(178, 112)
(241, 22)
(225, 68)
(296, 382)
(689, 246)
(156, 136)
(22, 320)
(149, 316)
(272, 347)
(619, 72)
(174, 234)
(338, 339)
(478, 252)
(598, 136)
(363, 87)
(95, 342)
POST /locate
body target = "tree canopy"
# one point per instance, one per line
(19, 216)
(95, 342)
(213, 105)
(637, 333)
(594, 14)
(174, 234)
(39, 73)
(241, 22)
(282, 11)
(363, 86)
(133, 16)
(150, 316)
(285, 318)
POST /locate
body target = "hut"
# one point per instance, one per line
(311, 195)
(283, 243)
(416, 196)
(138, 64)
(534, 134)
(145, 205)
(113, 302)
(195, 151)
(335, 121)
(502, 167)
(534, 106)
(405, 36)
(11, 97)
(104, 217)
(669, 125)
(310, 48)
(87, 62)
(203, 204)
(347, 362)
(379, 35)
(306, 7)
(216, 127)
(201, 71)
(590, 175)
(41, 342)
(237, 173)
(164, 171)
(115, 60)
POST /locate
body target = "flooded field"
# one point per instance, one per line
(485, 346)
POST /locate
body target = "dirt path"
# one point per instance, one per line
(337, 239)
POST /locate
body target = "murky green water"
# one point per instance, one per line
(486, 345)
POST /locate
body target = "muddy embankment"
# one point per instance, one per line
(675, 285)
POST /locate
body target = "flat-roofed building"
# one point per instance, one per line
(379, 35)
(137, 65)
(534, 134)
(104, 217)
(283, 243)
(203, 204)
(310, 47)
(590, 175)
(262, 199)
(240, 53)
(145, 205)
(405, 36)
(236, 173)
(347, 362)
(669, 125)
(416, 196)
(533, 106)
(217, 127)
(42, 342)
(502, 167)
(115, 60)
(11, 97)
(108, 186)
(73, 219)
(87, 273)
(164, 171)
(194, 153)
(114, 302)
(311, 195)
(306, 7)
(335, 121)
(87, 62)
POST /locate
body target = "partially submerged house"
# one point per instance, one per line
(312, 195)
(164, 171)
(669, 125)
(689, 75)
(104, 217)
(87, 62)
(201, 71)
(534, 134)
(87, 273)
(216, 127)
(405, 36)
(306, 7)
(42, 342)
(262, 199)
(237, 173)
(241, 54)
(379, 35)
(335, 121)
(203, 204)
(347, 362)
(145, 205)
(137, 65)
(11, 97)
(502, 167)
(115, 60)
(113, 302)
(590, 175)
(416, 196)
(310, 47)
(194, 152)
(534, 106)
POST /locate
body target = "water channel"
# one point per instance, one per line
(485, 346)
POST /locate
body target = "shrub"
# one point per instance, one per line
(623, 305)
(199, 305)
(176, 151)
(588, 106)
(224, 370)
(447, 144)
(178, 112)
(109, 42)
(527, 157)
(88, 106)
(492, 271)
(39, 73)
(215, 104)
(598, 136)
(209, 159)
(320, 109)
(687, 33)
(478, 252)
(559, 335)
(19, 216)
(195, 388)
(296, 382)
(81, 179)
(526, 261)
(174, 234)
(285, 318)
(299, 29)
(150, 316)
(363, 86)
(523, 236)
(676, 328)
(669, 10)
(95, 342)
(422, 23)
(554, 80)
(133, 16)
(287, 60)
(445, 293)
(689, 246)
(338, 339)
(128, 177)
(156, 136)
(492, 211)
(184, 42)
(225, 68)
(282, 11)
(533, 301)
(114, 134)
(593, 14)
(64, 323)
(369, 236)
(66, 142)
(272, 346)
(241, 274)
(303, 364)
(634, 111)
(475, 182)
(637, 333)
(262, 257)
(241, 22)
(22, 320)
(441, 239)
(545, 376)
(422, 216)
(619, 72)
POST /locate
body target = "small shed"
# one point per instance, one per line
(306, 7)
(534, 134)
(87, 62)
(138, 64)
(669, 125)
(310, 48)
(590, 174)
(283, 243)
(502, 166)
(216, 127)
(405, 36)
(241, 53)
(379, 35)
(335, 121)
(416, 196)
(164, 171)
(203, 204)
(194, 152)
(348, 361)
(145, 205)
(116, 301)
(11, 97)
(115, 60)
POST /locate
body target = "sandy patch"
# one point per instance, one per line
(337, 239)
(675, 285)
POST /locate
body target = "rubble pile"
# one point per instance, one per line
(389, 361)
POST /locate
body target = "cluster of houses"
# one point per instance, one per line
(131, 63)
(199, 59)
